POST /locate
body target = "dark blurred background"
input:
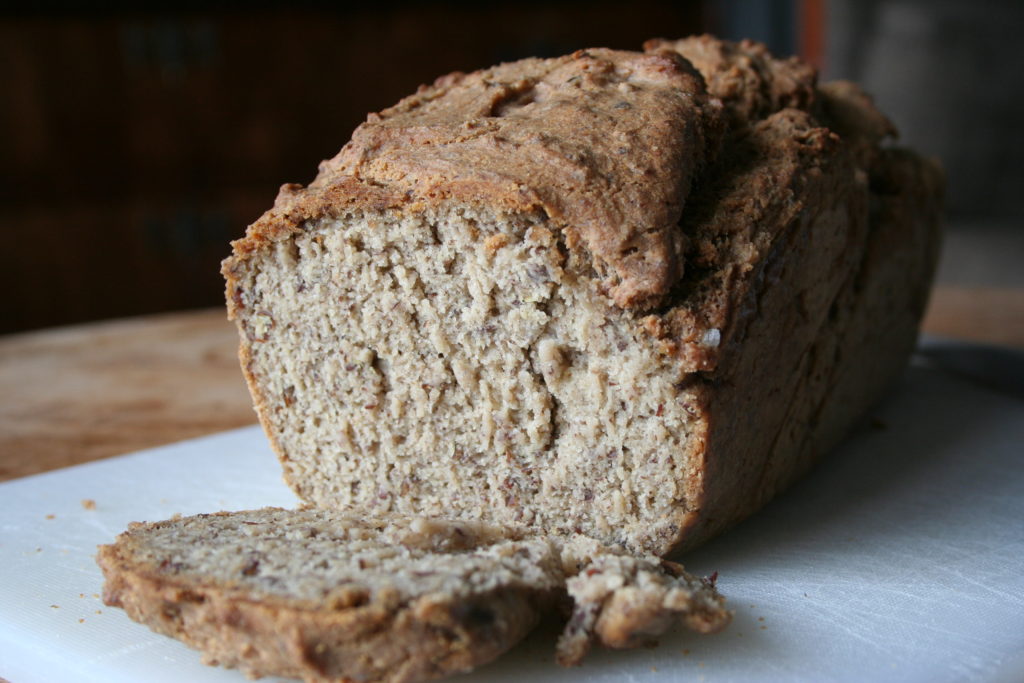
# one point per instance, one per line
(136, 143)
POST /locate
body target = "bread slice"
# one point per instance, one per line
(321, 596)
(316, 595)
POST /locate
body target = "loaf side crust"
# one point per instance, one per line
(814, 329)
(841, 365)
(773, 176)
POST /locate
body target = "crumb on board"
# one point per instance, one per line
(54, 606)
(51, 516)
(88, 503)
(760, 618)
(81, 621)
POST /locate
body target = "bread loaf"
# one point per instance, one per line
(589, 310)
(583, 295)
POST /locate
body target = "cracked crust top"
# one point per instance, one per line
(605, 143)
(750, 81)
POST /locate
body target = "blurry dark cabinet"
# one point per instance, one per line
(134, 146)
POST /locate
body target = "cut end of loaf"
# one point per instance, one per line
(454, 362)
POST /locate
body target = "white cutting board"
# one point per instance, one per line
(900, 558)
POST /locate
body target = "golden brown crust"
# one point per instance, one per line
(605, 143)
(762, 183)
(751, 83)
(789, 368)
(295, 205)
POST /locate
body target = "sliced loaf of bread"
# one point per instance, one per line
(584, 296)
(591, 311)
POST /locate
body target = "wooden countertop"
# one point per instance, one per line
(75, 394)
